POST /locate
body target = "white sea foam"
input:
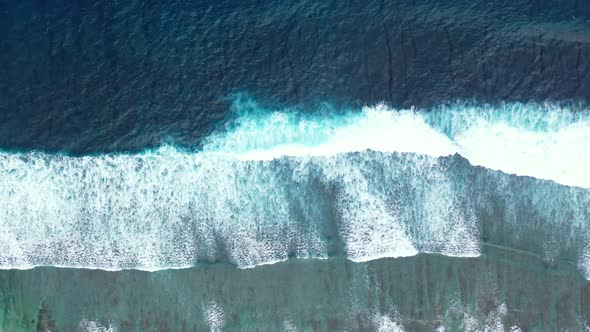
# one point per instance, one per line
(215, 316)
(91, 326)
(490, 319)
(559, 155)
(386, 324)
(543, 141)
(279, 184)
(277, 134)
(167, 209)
(584, 262)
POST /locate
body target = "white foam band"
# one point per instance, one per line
(235, 202)
(542, 141)
(281, 134)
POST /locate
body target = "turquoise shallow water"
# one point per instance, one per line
(499, 290)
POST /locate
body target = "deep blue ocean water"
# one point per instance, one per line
(294, 165)
(86, 76)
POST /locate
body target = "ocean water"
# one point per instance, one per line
(500, 290)
(294, 166)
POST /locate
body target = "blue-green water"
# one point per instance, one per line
(498, 291)
(294, 166)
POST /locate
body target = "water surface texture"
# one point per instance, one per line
(294, 165)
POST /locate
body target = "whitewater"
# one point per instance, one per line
(275, 184)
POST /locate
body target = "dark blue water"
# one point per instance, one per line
(85, 76)
(410, 165)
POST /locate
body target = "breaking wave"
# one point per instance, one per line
(513, 138)
(365, 185)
